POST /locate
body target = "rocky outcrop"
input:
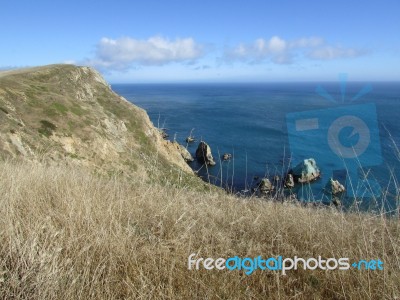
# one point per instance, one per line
(336, 202)
(306, 171)
(190, 139)
(184, 152)
(289, 181)
(265, 186)
(334, 187)
(68, 114)
(226, 156)
(164, 133)
(204, 155)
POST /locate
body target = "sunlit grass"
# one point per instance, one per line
(69, 234)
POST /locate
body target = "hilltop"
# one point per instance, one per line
(68, 114)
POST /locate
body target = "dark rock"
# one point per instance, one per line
(334, 187)
(190, 139)
(226, 156)
(289, 181)
(336, 201)
(204, 155)
(266, 186)
(306, 171)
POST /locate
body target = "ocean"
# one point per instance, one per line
(258, 124)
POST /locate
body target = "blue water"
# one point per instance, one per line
(250, 121)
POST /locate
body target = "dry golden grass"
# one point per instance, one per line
(67, 234)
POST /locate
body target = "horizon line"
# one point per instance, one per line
(254, 82)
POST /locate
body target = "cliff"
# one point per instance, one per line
(68, 114)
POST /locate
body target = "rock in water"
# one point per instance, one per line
(226, 156)
(289, 181)
(306, 171)
(336, 202)
(266, 186)
(189, 139)
(203, 154)
(335, 187)
(184, 152)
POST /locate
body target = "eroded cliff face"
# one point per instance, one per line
(69, 114)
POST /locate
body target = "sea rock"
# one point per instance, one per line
(190, 139)
(204, 155)
(289, 181)
(335, 187)
(336, 202)
(184, 152)
(226, 156)
(306, 171)
(266, 186)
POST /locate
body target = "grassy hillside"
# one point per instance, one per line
(68, 234)
(68, 114)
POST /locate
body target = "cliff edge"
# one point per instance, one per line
(69, 114)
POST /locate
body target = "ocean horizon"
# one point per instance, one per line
(251, 122)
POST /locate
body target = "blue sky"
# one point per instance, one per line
(207, 41)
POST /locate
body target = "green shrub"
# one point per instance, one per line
(47, 128)
(60, 108)
(77, 110)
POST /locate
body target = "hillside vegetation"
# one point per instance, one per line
(69, 234)
(96, 205)
(68, 114)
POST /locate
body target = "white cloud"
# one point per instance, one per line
(280, 51)
(308, 42)
(274, 48)
(276, 44)
(330, 53)
(123, 53)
